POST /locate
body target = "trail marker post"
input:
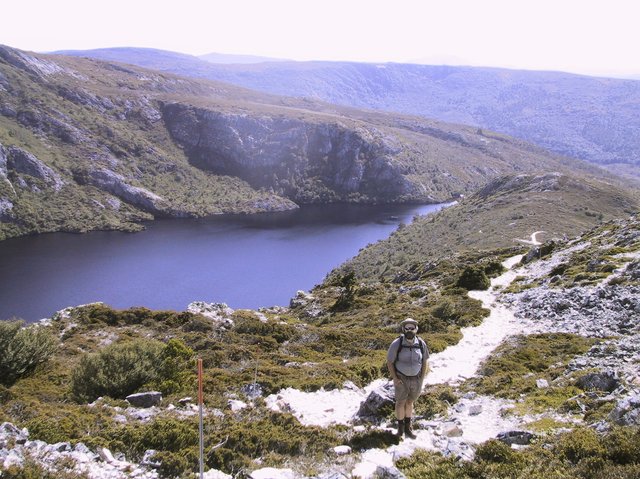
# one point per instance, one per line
(201, 428)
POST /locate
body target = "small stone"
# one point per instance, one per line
(451, 429)
(542, 383)
(342, 450)
(475, 409)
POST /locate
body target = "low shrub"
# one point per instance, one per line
(23, 349)
(473, 278)
(580, 444)
(116, 371)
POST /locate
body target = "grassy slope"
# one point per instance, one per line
(507, 209)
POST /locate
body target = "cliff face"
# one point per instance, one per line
(302, 160)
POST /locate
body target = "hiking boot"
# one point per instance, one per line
(407, 429)
(400, 428)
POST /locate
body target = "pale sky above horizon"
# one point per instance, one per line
(582, 36)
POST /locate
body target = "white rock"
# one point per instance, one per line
(451, 429)
(236, 405)
(105, 455)
(14, 458)
(272, 473)
(542, 383)
(342, 450)
(215, 474)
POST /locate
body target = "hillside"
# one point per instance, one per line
(503, 214)
(541, 382)
(92, 145)
(584, 117)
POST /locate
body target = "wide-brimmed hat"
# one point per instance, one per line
(408, 321)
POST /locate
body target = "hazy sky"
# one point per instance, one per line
(585, 36)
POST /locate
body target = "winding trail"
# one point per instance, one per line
(462, 360)
(451, 366)
(534, 239)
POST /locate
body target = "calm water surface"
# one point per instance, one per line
(244, 261)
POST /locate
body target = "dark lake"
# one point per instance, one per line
(244, 261)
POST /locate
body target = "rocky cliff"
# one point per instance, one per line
(295, 158)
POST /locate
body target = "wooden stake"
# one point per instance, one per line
(200, 404)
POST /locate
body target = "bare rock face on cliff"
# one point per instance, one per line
(306, 161)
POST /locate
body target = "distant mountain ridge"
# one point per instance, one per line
(590, 118)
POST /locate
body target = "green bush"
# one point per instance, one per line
(473, 278)
(23, 349)
(30, 469)
(580, 444)
(117, 371)
(495, 451)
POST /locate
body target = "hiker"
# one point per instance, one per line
(407, 362)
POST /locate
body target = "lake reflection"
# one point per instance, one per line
(244, 261)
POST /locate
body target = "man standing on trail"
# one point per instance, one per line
(407, 362)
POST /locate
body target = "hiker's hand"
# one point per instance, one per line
(397, 381)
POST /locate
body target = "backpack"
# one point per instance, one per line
(420, 344)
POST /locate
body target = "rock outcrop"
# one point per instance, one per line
(305, 160)
(21, 161)
(119, 186)
(145, 399)
(3, 161)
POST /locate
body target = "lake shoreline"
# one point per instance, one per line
(245, 261)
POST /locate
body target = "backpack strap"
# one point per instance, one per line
(400, 346)
(423, 347)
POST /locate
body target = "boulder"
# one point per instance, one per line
(627, 412)
(145, 399)
(603, 381)
(120, 186)
(371, 409)
(301, 299)
(216, 474)
(218, 313)
(520, 438)
(459, 450)
(10, 432)
(388, 472)
(21, 161)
